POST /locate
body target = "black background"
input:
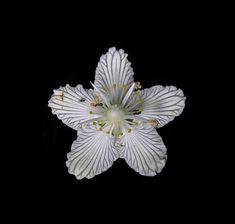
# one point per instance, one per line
(164, 50)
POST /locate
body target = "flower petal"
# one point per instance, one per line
(144, 150)
(162, 103)
(72, 105)
(91, 154)
(114, 74)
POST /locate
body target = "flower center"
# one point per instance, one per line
(119, 118)
(115, 115)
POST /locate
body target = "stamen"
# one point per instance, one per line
(137, 92)
(120, 134)
(132, 122)
(96, 104)
(101, 123)
(137, 85)
(111, 129)
(101, 94)
(139, 119)
(89, 120)
(129, 92)
(138, 104)
(153, 122)
(106, 88)
(136, 112)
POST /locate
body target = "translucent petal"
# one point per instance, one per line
(114, 75)
(72, 105)
(144, 150)
(162, 103)
(91, 154)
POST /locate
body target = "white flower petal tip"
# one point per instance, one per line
(162, 104)
(144, 150)
(91, 154)
(116, 119)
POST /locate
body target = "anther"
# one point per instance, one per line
(120, 134)
(153, 122)
(137, 85)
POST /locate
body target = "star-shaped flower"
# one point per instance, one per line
(116, 119)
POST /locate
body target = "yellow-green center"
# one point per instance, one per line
(115, 115)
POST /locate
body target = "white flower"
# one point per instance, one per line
(116, 119)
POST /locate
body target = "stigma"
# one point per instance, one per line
(115, 115)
